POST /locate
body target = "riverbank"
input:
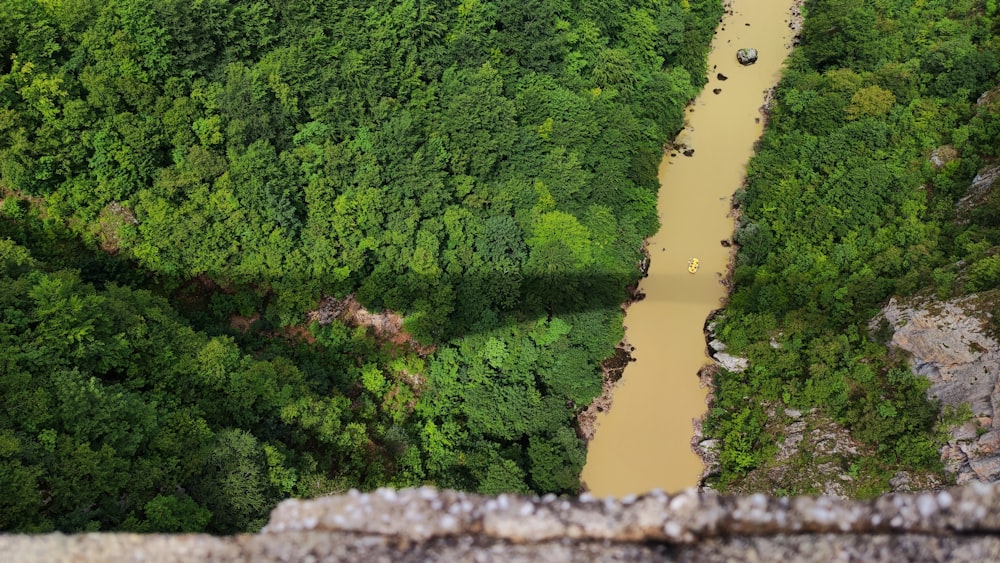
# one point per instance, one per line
(644, 443)
(703, 447)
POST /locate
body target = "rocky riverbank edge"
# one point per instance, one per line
(613, 367)
(704, 447)
(953, 343)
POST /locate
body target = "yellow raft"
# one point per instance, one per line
(693, 265)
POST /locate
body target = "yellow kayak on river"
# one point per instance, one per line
(693, 265)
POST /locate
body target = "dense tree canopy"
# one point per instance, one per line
(843, 209)
(486, 168)
(182, 181)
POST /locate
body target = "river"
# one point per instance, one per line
(644, 441)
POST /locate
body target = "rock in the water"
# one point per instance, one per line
(722, 77)
(716, 91)
(689, 152)
(746, 56)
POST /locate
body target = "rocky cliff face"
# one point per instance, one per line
(961, 524)
(949, 344)
(809, 440)
(978, 193)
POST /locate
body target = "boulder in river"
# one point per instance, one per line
(746, 56)
(721, 76)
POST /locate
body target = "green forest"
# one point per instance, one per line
(842, 209)
(182, 182)
(187, 186)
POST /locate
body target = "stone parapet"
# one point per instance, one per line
(959, 524)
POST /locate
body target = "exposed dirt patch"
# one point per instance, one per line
(386, 326)
(241, 323)
(196, 294)
(298, 333)
(109, 223)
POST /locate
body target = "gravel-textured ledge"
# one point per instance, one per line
(690, 516)
(961, 524)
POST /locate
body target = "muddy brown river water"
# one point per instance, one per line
(644, 442)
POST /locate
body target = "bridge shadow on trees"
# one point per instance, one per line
(436, 308)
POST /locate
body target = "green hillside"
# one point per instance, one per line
(843, 208)
(184, 181)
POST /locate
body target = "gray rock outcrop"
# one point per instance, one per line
(942, 156)
(961, 524)
(978, 192)
(949, 346)
(732, 363)
(717, 351)
(746, 56)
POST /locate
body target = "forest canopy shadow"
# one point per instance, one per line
(437, 307)
(485, 302)
(444, 307)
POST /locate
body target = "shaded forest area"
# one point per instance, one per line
(843, 208)
(183, 181)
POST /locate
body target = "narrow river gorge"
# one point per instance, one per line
(644, 441)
